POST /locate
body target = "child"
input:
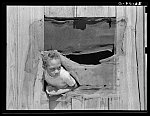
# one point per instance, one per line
(59, 80)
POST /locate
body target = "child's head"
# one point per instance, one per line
(53, 63)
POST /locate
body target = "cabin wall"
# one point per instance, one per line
(131, 63)
(23, 43)
(20, 83)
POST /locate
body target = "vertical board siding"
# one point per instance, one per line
(12, 37)
(120, 42)
(77, 103)
(139, 41)
(21, 85)
(131, 60)
(101, 102)
(59, 11)
(91, 104)
(31, 36)
(131, 64)
(23, 37)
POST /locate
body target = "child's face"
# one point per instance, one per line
(54, 67)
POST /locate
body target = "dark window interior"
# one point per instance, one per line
(92, 58)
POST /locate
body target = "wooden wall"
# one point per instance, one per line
(133, 59)
(79, 11)
(19, 19)
(130, 71)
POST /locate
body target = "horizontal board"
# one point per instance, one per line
(59, 11)
(79, 11)
(95, 11)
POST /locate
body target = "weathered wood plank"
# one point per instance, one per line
(12, 67)
(35, 44)
(131, 61)
(140, 51)
(120, 51)
(95, 11)
(23, 37)
(128, 61)
(66, 103)
(19, 19)
(59, 11)
(91, 104)
(38, 85)
(77, 104)
(102, 104)
(28, 15)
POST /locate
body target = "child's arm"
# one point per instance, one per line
(58, 92)
(67, 78)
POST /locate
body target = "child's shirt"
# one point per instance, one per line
(65, 76)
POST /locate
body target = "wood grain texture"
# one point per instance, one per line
(120, 50)
(91, 104)
(77, 103)
(32, 64)
(20, 82)
(131, 60)
(23, 37)
(38, 85)
(140, 52)
(12, 67)
(131, 71)
(59, 11)
(95, 11)
(34, 42)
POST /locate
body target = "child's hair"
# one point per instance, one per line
(50, 55)
(53, 55)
